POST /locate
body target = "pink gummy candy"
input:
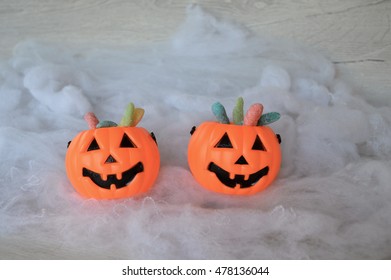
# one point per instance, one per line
(253, 114)
(91, 120)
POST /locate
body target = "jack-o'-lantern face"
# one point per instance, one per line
(234, 159)
(112, 162)
(239, 158)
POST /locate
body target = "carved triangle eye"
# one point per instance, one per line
(224, 142)
(93, 146)
(258, 145)
(126, 142)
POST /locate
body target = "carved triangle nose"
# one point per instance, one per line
(241, 160)
(110, 159)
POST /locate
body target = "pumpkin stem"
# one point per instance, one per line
(219, 111)
(238, 111)
(91, 120)
(253, 114)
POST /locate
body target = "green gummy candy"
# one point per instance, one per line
(127, 119)
(219, 111)
(269, 118)
(106, 124)
(238, 112)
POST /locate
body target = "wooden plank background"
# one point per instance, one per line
(355, 34)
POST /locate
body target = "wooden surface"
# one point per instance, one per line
(355, 34)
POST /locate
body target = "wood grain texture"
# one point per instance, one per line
(353, 33)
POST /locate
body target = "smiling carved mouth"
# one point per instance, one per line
(224, 178)
(127, 177)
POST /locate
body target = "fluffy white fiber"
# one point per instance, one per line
(330, 201)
